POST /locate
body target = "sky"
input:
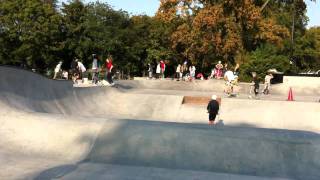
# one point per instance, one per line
(150, 7)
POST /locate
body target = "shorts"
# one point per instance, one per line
(212, 116)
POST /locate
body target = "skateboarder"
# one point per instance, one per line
(267, 83)
(254, 85)
(109, 67)
(57, 70)
(81, 69)
(230, 82)
(213, 109)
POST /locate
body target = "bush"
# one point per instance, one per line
(261, 60)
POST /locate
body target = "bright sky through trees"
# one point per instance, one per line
(149, 7)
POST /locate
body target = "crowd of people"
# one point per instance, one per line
(187, 72)
(79, 72)
(183, 72)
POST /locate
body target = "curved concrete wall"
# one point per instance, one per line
(30, 92)
(49, 131)
(270, 153)
(218, 86)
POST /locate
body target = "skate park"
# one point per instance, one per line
(153, 130)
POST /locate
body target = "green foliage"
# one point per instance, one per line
(29, 32)
(261, 60)
(307, 50)
(38, 34)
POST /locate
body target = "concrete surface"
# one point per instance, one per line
(307, 81)
(115, 172)
(48, 129)
(18, 92)
(251, 151)
(218, 86)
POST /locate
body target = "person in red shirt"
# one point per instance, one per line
(163, 68)
(109, 67)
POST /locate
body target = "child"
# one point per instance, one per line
(213, 109)
(267, 83)
(256, 86)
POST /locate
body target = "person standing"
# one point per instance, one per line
(95, 69)
(158, 70)
(57, 70)
(213, 109)
(184, 69)
(109, 67)
(192, 70)
(74, 70)
(178, 72)
(267, 83)
(218, 70)
(254, 86)
(229, 78)
(163, 68)
(150, 70)
(82, 69)
(236, 73)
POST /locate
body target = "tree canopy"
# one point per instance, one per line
(254, 33)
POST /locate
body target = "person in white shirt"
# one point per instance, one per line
(82, 69)
(95, 69)
(178, 72)
(267, 83)
(229, 78)
(192, 70)
(150, 71)
(57, 70)
(158, 70)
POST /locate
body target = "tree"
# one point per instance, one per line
(218, 29)
(307, 51)
(29, 33)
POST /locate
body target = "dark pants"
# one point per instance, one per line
(95, 76)
(212, 116)
(256, 89)
(109, 77)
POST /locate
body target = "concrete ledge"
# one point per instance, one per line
(195, 100)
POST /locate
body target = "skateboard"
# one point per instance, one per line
(232, 95)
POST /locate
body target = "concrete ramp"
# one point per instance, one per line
(219, 85)
(248, 151)
(50, 130)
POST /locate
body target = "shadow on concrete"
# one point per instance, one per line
(221, 149)
(56, 172)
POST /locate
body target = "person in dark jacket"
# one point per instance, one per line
(213, 109)
(256, 86)
(74, 70)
